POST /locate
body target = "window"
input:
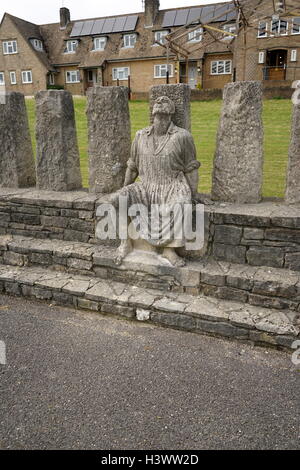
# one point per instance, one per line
(161, 35)
(279, 27)
(26, 76)
(73, 76)
(294, 55)
(51, 79)
(10, 47)
(221, 67)
(160, 71)
(2, 78)
(296, 26)
(129, 40)
(99, 44)
(230, 28)
(71, 47)
(262, 29)
(13, 78)
(261, 57)
(37, 44)
(121, 73)
(196, 35)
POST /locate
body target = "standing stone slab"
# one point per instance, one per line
(292, 195)
(238, 164)
(180, 94)
(57, 160)
(16, 155)
(109, 137)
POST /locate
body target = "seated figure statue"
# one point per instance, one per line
(163, 156)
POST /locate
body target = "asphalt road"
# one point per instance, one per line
(76, 380)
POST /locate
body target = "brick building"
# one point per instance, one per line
(132, 49)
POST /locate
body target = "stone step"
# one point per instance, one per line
(199, 314)
(259, 286)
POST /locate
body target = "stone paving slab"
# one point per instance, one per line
(183, 311)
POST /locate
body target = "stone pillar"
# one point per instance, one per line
(16, 155)
(238, 164)
(180, 94)
(292, 195)
(57, 160)
(109, 137)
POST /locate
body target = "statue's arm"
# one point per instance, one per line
(132, 167)
(191, 165)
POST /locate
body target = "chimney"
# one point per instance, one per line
(151, 12)
(65, 17)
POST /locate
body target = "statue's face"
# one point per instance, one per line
(162, 105)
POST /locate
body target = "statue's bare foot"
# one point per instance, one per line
(124, 249)
(171, 255)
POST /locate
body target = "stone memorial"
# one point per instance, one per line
(109, 137)
(238, 163)
(57, 160)
(292, 195)
(163, 156)
(180, 94)
(16, 155)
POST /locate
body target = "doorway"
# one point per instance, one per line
(276, 64)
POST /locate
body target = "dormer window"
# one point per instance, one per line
(99, 44)
(129, 40)
(196, 35)
(10, 47)
(160, 36)
(37, 44)
(71, 47)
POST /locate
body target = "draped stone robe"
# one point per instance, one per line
(162, 178)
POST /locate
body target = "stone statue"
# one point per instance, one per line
(163, 156)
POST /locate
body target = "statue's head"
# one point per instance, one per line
(163, 105)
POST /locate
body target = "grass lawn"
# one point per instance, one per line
(205, 117)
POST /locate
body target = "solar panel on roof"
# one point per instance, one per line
(181, 17)
(87, 28)
(108, 25)
(169, 18)
(119, 24)
(76, 31)
(194, 14)
(131, 22)
(207, 13)
(221, 12)
(97, 28)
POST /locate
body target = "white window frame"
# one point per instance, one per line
(196, 35)
(10, 47)
(37, 44)
(120, 73)
(219, 65)
(162, 68)
(71, 46)
(129, 40)
(97, 43)
(159, 36)
(298, 32)
(72, 76)
(259, 29)
(278, 31)
(13, 81)
(229, 28)
(2, 78)
(294, 55)
(26, 77)
(261, 57)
